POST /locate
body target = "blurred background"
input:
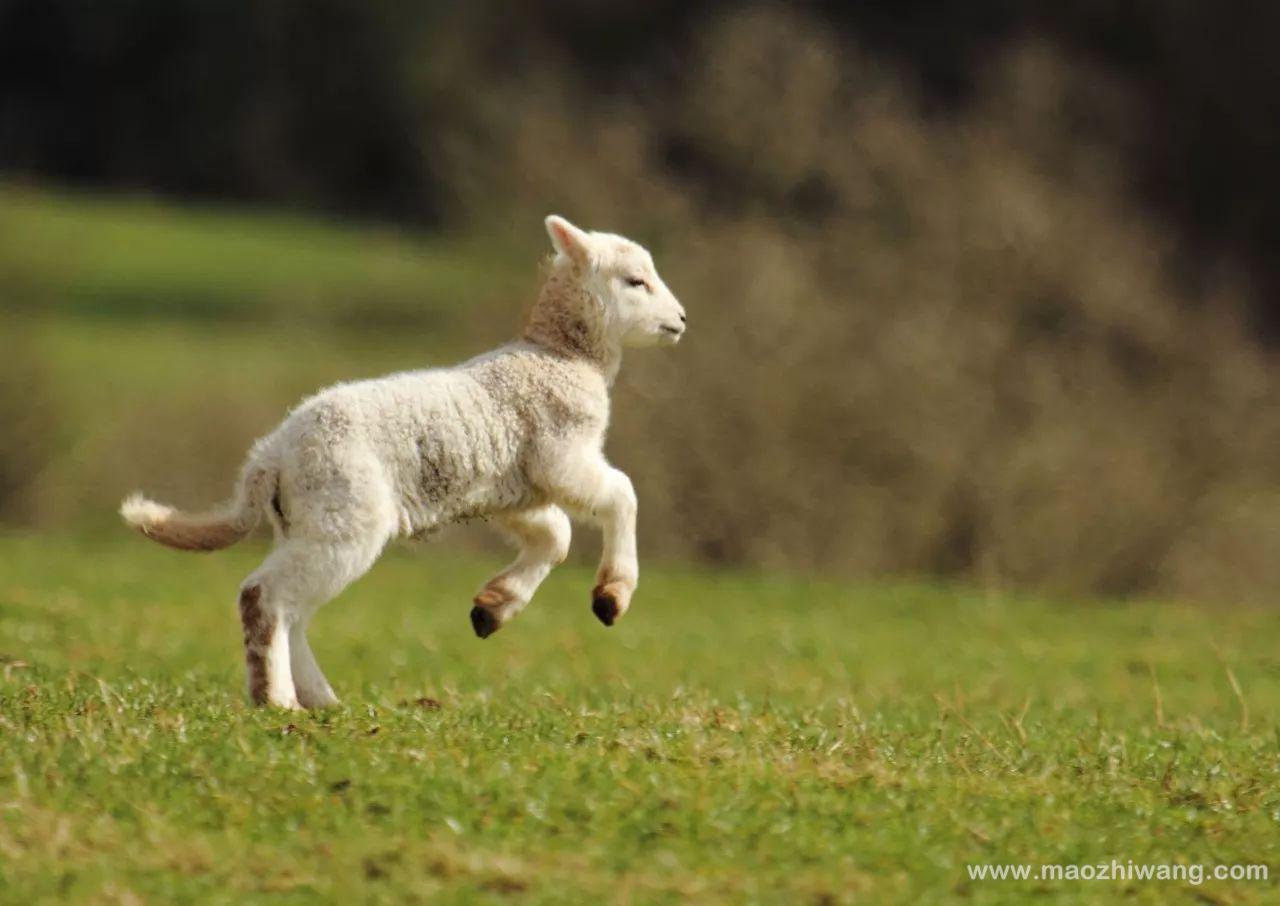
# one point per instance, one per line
(983, 291)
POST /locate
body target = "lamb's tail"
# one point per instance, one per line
(210, 531)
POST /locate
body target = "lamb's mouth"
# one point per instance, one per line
(672, 331)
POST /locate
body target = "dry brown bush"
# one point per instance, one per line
(917, 344)
(31, 432)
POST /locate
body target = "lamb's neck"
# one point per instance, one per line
(559, 322)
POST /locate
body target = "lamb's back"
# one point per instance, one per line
(449, 443)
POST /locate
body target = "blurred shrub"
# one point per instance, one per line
(30, 426)
(917, 344)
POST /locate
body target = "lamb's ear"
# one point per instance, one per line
(568, 239)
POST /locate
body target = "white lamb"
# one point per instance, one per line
(516, 434)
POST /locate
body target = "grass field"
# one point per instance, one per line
(736, 738)
(128, 258)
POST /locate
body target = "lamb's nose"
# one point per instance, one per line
(683, 319)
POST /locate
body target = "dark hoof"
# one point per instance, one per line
(483, 622)
(604, 607)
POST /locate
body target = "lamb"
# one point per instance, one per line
(516, 434)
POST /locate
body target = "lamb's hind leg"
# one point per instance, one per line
(266, 648)
(276, 603)
(543, 537)
(314, 690)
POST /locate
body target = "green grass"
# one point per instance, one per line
(123, 258)
(736, 738)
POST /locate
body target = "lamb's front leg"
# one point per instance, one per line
(590, 488)
(619, 571)
(542, 535)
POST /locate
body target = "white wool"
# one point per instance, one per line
(139, 511)
(516, 434)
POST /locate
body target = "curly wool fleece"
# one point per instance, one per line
(516, 434)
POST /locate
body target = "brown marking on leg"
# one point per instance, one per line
(257, 637)
(493, 596)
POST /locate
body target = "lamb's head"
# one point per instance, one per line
(634, 306)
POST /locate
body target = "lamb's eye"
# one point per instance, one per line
(637, 282)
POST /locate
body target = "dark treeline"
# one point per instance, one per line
(328, 105)
(301, 104)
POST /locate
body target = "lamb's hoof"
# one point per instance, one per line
(318, 700)
(604, 605)
(287, 704)
(483, 622)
